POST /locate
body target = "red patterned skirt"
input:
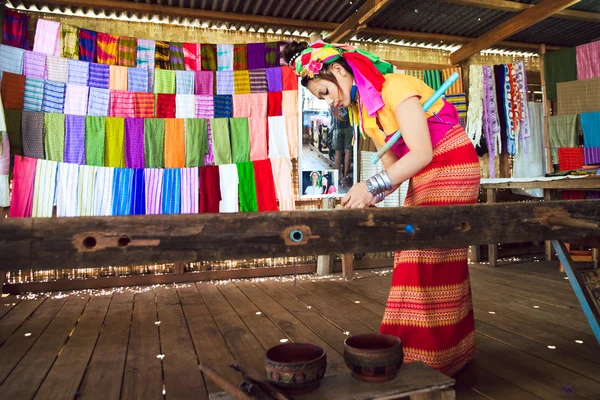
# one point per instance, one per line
(429, 306)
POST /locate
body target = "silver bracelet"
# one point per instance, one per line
(386, 179)
(380, 197)
(380, 182)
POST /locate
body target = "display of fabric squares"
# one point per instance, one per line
(164, 81)
(176, 56)
(76, 99)
(11, 59)
(258, 81)
(258, 105)
(34, 65)
(13, 90)
(144, 105)
(241, 105)
(204, 106)
(196, 141)
(69, 41)
(99, 76)
(225, 82)
(137, 79)
(570, 158)
(240, 139)
(591, 155)
(34, 94)
(57, 69)
(13, 130)
(265, 186)
(184, 82)
(590, 123)
(210, 191)
(79, 72)
(121, 104)
(99, 102)
(247, 187)
(118, 78)
(47, 37)
(191, 56)
(145, 53)
(127, 53)
(87, 45)
(225, 57)
(204, 82)
(54, 97)
(107, 48)
(221, 140)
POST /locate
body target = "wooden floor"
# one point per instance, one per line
(146, 342)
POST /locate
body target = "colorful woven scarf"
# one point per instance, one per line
(108, 47)
(15, 29)
(162, 56)
(69, 37)
(176, 56)
(508, 107)
(127, 51)
(521, 86)
(87, 45)
(491, 125)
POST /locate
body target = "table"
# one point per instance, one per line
(548, 184)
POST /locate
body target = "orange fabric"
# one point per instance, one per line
(174, 143)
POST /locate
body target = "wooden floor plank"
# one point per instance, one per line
(466, 392)
(293, 327)
(536, 366)
(13, 320)
(206, 336)
(245, 347)
(182, 378)
(330, 333)
(350, 308)
(65, 375)
(104, 374)
(15, 348)
(345, 292)
(26, 378)
(143, 369)
(7, 303)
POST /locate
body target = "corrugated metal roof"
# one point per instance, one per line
(583, 5)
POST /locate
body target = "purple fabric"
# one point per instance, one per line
(204, 81)
(592, 195)
(75, 139)
(256, 55)
(274, 79)
(154, 183)
(591, 155)
(134, 143)
(491, 120)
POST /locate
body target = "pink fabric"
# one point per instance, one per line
(47, 37)
(588, 60)
(258, 104)
(258, 138)
(191, 56)
(122, 104)
(21, 202)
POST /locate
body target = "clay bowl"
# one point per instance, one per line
(372, 357)
(295, 368)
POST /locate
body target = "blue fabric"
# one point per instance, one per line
(137, 80)
(54, 97)
(122, 185)
(184, 81)
(99, 75)
(590, 123)
(171, 194)
(223, 106)
(138, 193)
(34, 94)
(79, 72)
(11, 59)
(99, 102)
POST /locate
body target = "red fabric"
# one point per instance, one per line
(265, 186)
(13, 90)
(367, 69)
(274, 104)
(210, 189)
(144, 105)
(165, 105)
(570, 158)
(290, 79)
(21, 202)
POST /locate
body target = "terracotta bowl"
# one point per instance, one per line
(295, 367)
(372, 357)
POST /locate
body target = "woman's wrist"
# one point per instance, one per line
(378, 185)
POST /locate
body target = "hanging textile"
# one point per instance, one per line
(33, 134)
(223, 105)
(47, 37)
(76, 99)
(127, 54)
(134, 143)
(491, 124)
(521, 82)
(258, 138)
(196, 141)
(99, 76)
(107, 48)
(590, 123)
(185, 106)
(259, 104)
(13, 129)
(258, 81)
(228, 185)
(75, 139)
(143, 104)
(12, 59)
(225, 82)
(205, 109)
(190, 190)
(289, 79)
(12, 90)
(99, 102)
(225, 57)
(154, 188)
(241, 82)
(508, 108)
(184, 82)
(531, 165)
(69, 41)
(66, 190)
(176, 56)
(208, 58)
(517, 104)
(459, 101)
(210, 191)
(118, 78)
(241, 105)
(44, 187)
(562, 132)
(164, 81)
(122, 196)
(57, 69)
(95, 128)
(591, 155)
(103, 192)
(457, 87)
(146, 50)
(247, 187)
(289, 103)
(162, 56)
(138, 193)
(191, 56)
(221, 141)
(588, 60)
(570, 158)
(114, 155)
(79, 72)
(154, 142)
(121, 104)
(274, 100)
(256, 56)
(33, 96)
(15, 29)
(500, 78)
(282, 174)
(475, 111)
(240, 57)
(291, 129)
(174, 143)
(4, 162)
(559, 66)
(166, 105)
(137, 79)
(21, 202)
(34, 65)
(278, 142)
(240, 140)
(204, 81)
(265, 186)
(87, 45)
(54, 136)
(171, 200)
(272, 56)
(85, 190)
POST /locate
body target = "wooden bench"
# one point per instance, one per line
(415, 380)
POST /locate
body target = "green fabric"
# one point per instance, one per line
(13, 129)
(164, 81)
(240, 139)
(220, 139)
(95, 128)
(559, 66)
(114, 151)
(54, 136)
(247, 187)
(438, 79)
(196, 141)
(562, 132)
(154, 142)
(69, 41)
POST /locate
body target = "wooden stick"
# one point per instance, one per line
(228, 387)
(573, 223)
(253, 376)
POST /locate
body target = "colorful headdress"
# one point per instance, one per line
(368, 69)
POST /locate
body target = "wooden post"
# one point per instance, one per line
(549, 251)
(348, 265)
(2, 278)
(325, 263)
(548, 166)
(492, 248)
(179, 268)
(474, 254)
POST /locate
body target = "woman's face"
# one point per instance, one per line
(324, 181)
(335, 95)
(315, 177)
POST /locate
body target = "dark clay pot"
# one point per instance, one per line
(372, 357)
(295, 367)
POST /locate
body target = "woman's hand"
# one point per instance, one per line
(358, 197)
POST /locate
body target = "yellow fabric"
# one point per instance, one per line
(115, 141)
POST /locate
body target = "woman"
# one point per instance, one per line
(315, 187)
(429, 306)
(328, 188)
